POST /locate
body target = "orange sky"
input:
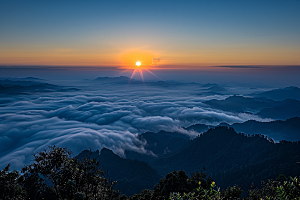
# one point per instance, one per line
(194, 34)
(127, 58)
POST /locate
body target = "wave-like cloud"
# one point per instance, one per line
(88, 120)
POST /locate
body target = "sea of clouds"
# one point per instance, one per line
(100, 116)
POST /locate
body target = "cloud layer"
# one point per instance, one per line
(101, 117)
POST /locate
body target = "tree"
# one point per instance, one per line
(54, 174)
(212, 193)
(45, 173)
(176, 181)
(202, 177)
(9, 188)
(289, 189)
(233, 192)
(145, 194)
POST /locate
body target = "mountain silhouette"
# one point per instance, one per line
(27, 86)
(238, 104)
(160, 144)
(282, 94)
(132, 176)
(278, 130)
(266, 108)
(232, 158)
(285, 109)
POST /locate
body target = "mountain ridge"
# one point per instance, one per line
(229, 157)
(132, 176)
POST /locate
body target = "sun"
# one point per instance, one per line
(138, 63)
(139, 69)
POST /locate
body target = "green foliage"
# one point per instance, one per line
(176, 181)
(144, 195)
(234, 158)
(202, 177)
(289, 189)
(179, 182)
(178, 186)
(277, 189)
(55, 175)
(233, 192)
(212, 193)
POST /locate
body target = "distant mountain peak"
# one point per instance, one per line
(106, 151)
(238, 104)
(280, 94)
(217, 88)
(109, 154)
(291, 88)
(106, 78)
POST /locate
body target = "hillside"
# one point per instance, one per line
(266, 108)
(229, 157)
(132, 176)
(160, 144)
(288, 130)
(30, 86)
(232, 158)
(282, 94)
(285, 109)
(278, 130)
(238, 104)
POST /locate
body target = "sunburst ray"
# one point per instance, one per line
(141, 74)
(139, 69)
(152, 74)
(133, 74)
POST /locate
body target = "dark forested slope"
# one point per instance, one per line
(233, 158)
(266, 108)
(238, 104)
(288, 130)
(160, 144)
(278, 130)
(282, 93)
(30, 86)
(285, 109)
(229, 157)
(132, 176)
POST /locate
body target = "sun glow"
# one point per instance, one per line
(138, 63)
(140, 70)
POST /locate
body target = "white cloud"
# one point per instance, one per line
(108, 118)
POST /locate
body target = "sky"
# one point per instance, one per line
(185, 35)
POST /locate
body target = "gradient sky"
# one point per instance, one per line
(184, 34)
